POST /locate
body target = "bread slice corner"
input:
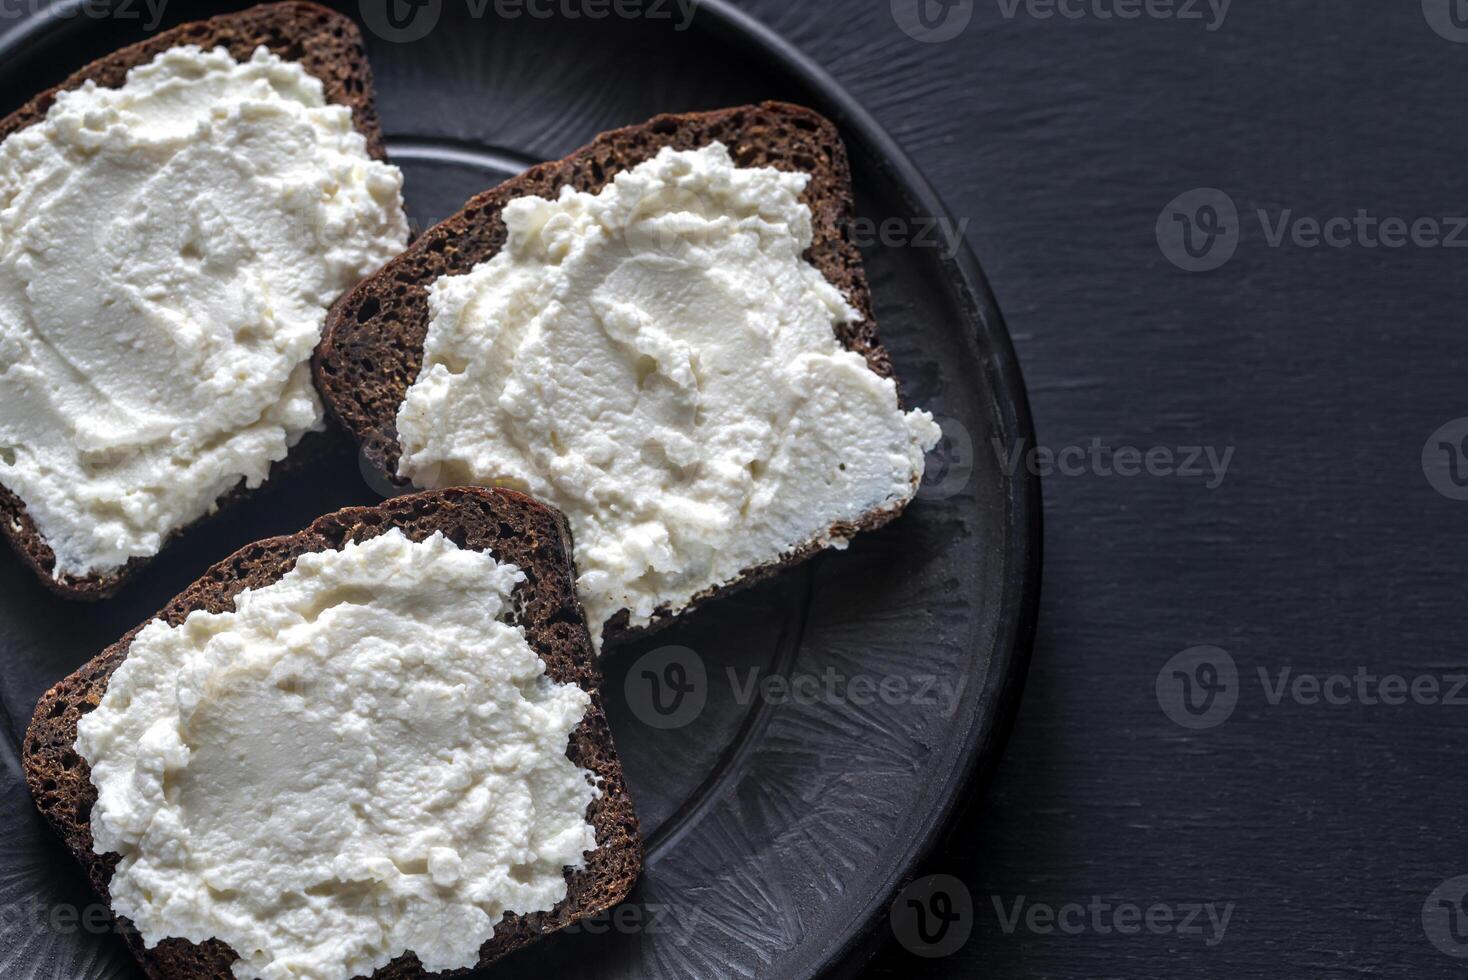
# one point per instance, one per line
(372, 350)
(511, 526)
(327, 45)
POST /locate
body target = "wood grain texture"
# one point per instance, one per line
(1324, 549)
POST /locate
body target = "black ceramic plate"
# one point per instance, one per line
(831, 719)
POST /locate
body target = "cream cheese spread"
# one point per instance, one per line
(168, 252)
(361, 759)
(659, 361)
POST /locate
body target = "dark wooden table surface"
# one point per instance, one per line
(1288, 801)
(1321, 820)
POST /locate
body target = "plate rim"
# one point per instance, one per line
(1018, 615)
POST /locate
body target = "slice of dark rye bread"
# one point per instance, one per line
(373, 347)
(509, 525)
(328, 46)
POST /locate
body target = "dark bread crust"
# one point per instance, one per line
(328, 46)
(372, 350)
(512, 527)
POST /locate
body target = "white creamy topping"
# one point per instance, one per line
(659, 361)
(362, 759)
(168, 251)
